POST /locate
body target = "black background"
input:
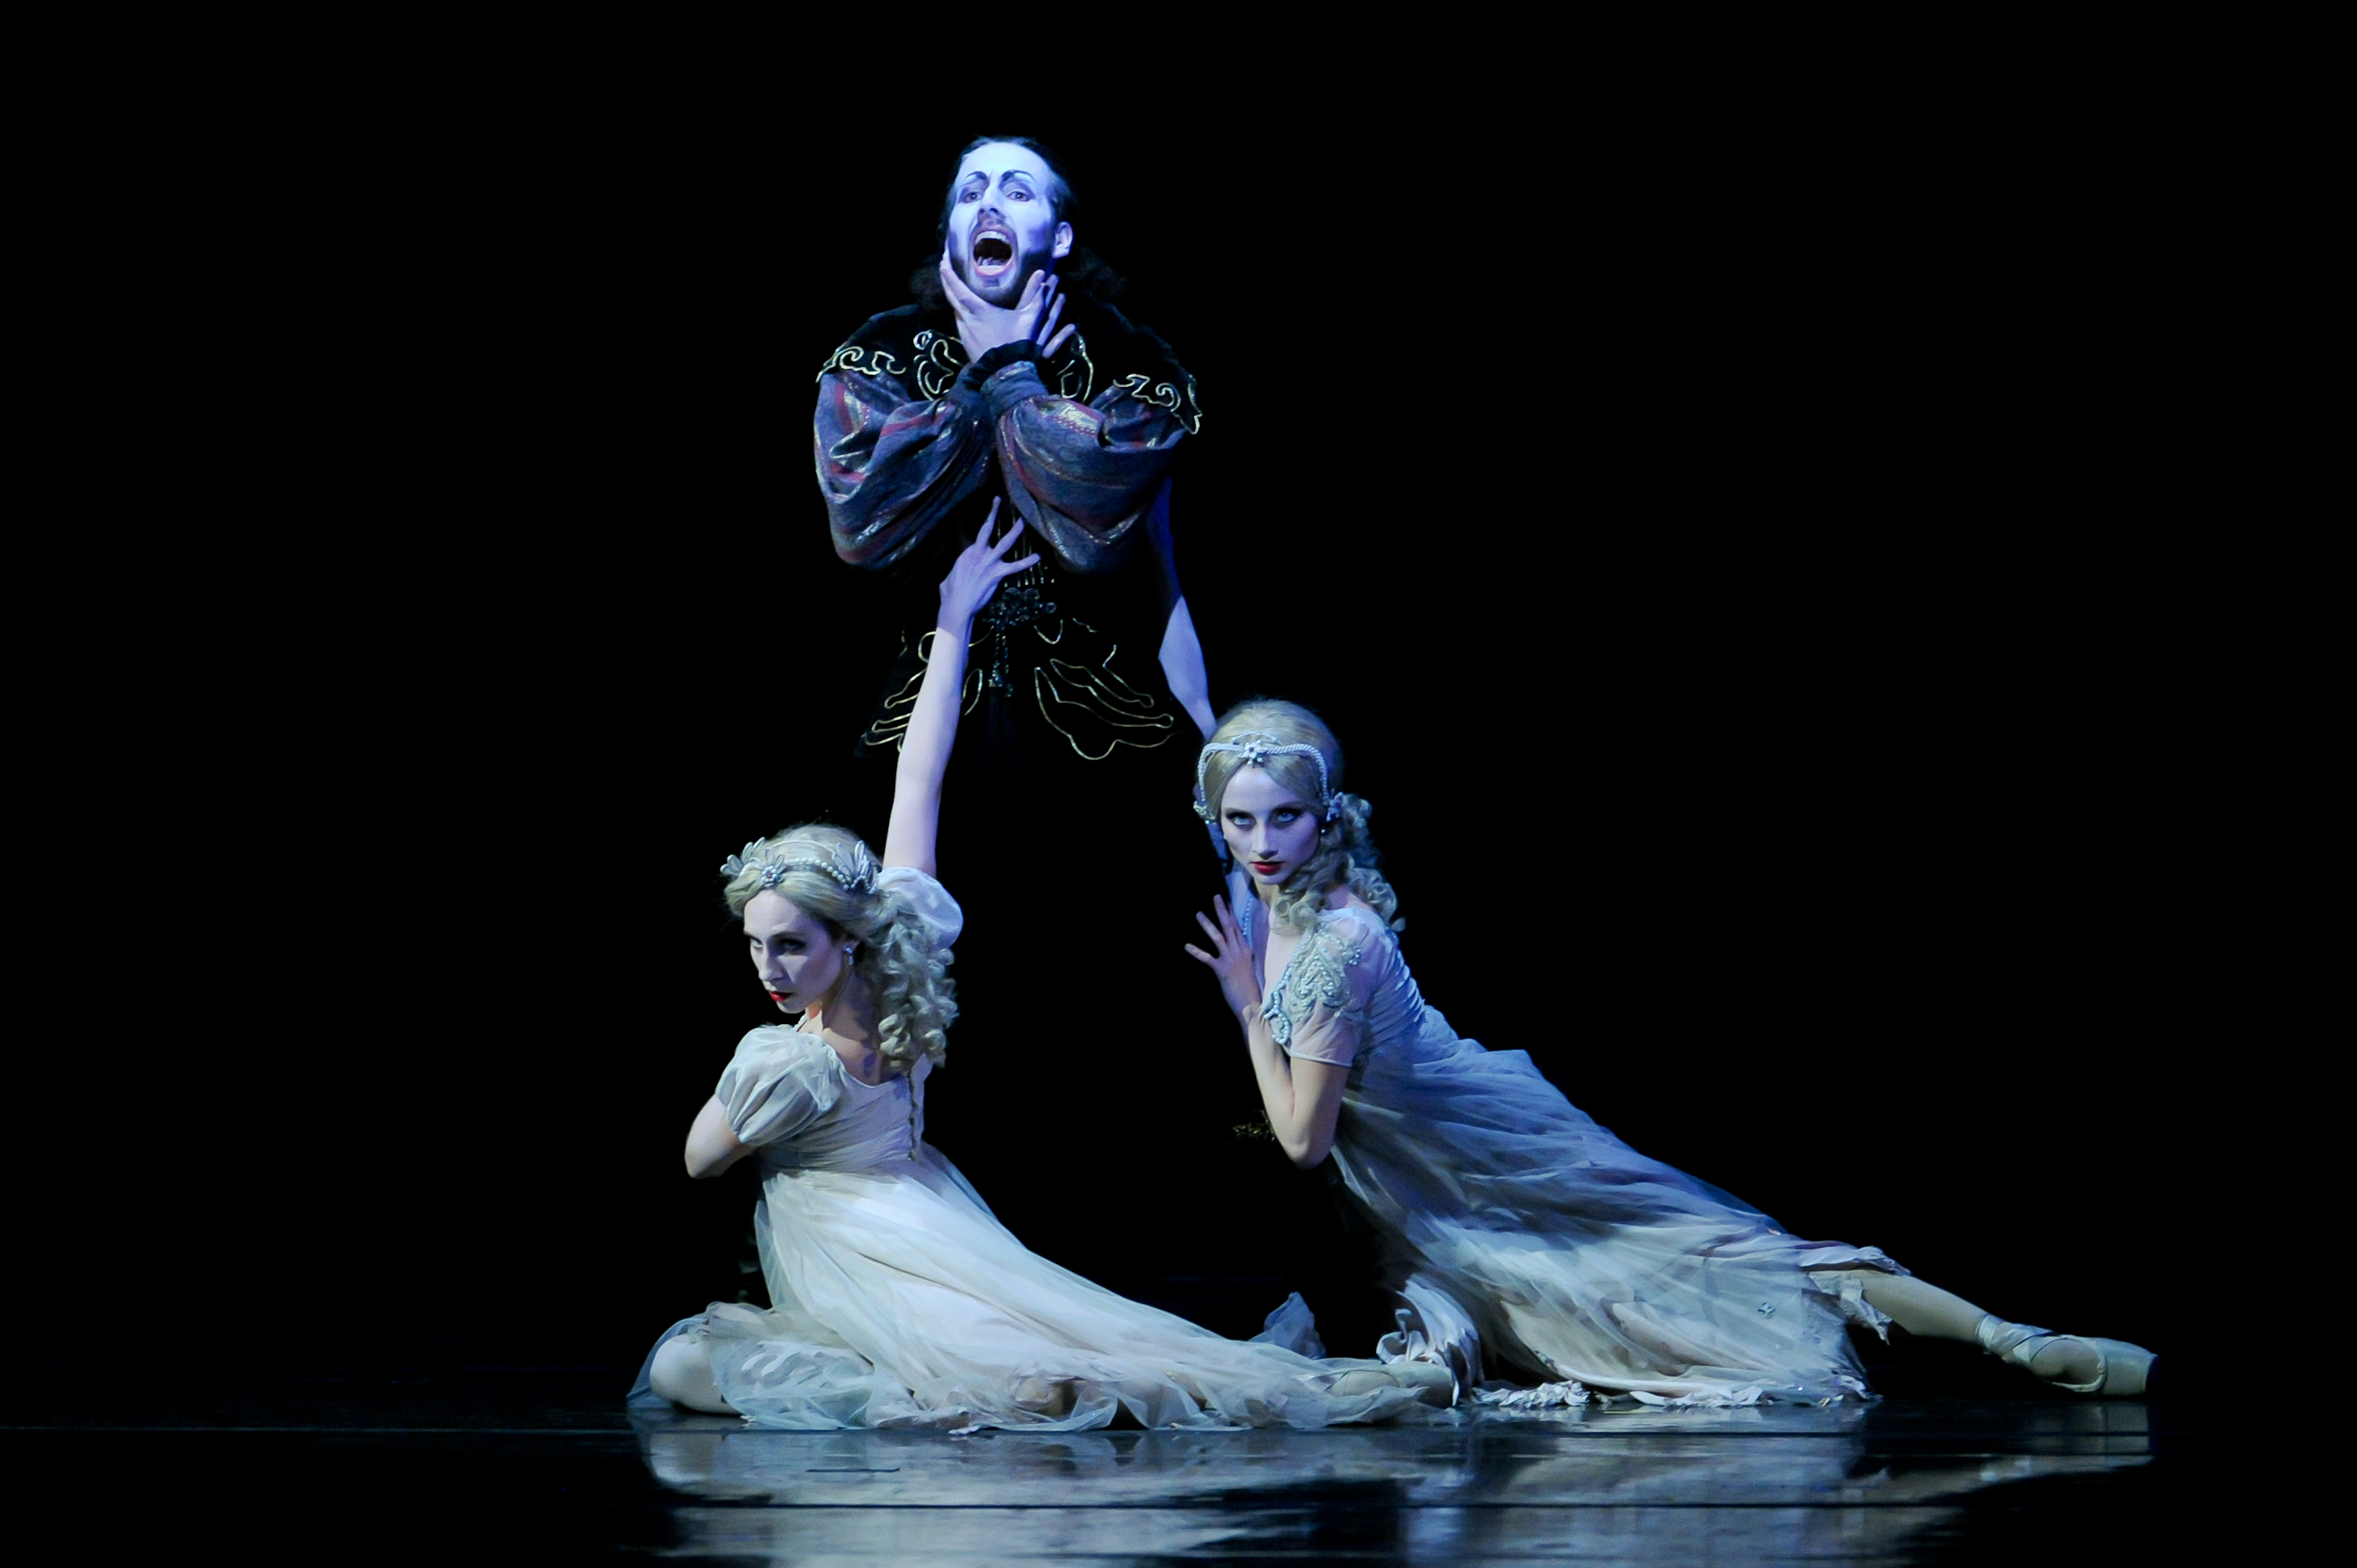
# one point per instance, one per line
(1728, 542)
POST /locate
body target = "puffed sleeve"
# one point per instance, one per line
(1318, 1010)
(935, 909)
(776, 1084)
(892, 462)
(1083, 473)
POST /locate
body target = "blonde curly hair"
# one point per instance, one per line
(916, 1002)
(1345, 854)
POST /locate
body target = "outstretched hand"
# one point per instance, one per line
(982, 326)
(980, 567)
(1230, 957)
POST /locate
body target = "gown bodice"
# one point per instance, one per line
(1345, 996)
(791, 1098)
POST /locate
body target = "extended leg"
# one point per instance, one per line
(1923, 1308)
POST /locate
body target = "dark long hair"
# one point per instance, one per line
(1083, 270)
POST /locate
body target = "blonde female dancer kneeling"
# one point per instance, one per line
(1520, 1230)
(898, 1299)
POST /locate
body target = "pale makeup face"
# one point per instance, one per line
(1270, 830)
(800, 961)
(1003, 225)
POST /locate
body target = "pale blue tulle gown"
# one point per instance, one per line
(1529, 1238)
(899, 1301)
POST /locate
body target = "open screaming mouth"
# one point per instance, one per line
(992, 252)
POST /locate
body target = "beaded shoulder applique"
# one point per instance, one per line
(1315, 976)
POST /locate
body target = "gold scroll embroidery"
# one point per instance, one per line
(867, 362)
(891, 727)
(1162, 394)
(1076, 373)
(1071, 695)
(939, 360)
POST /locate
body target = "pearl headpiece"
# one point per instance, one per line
(1257, 747)
(855, 870)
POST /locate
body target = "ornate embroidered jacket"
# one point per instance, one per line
(911, 444)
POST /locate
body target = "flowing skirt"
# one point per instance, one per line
(1575, 1256)
(900, 1301)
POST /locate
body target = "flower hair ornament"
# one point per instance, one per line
(854, 871)
(1257, 747)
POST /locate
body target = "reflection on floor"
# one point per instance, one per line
(543, 1465)
(1641, 1487)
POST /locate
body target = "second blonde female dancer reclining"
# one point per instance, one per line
(898, 1300)
(1521, 1232)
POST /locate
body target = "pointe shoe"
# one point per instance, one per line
(1433, 1385)
(2122, 1370)
(1362, 1380)
(1430, 1384)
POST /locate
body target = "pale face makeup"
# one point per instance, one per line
(1269, 828)
(1003, 224)
(801, 963)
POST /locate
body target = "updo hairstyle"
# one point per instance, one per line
(1345, 854)
(915, 999)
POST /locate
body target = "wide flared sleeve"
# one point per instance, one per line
(892, 462)
(927, 900)
(1084, 475)
(1318, 1009)
(778, 1083)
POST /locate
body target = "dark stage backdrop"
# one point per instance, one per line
(1724, 556)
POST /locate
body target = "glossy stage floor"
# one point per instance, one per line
(543, 1465)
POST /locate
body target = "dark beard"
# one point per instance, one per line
(1009, 286)
(1083, 273)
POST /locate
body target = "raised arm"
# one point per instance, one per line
(932, 722)
(1181, 653)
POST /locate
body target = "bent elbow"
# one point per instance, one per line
(1308, 1157)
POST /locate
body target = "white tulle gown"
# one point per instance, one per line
(1521, 1228)
(899, 1301)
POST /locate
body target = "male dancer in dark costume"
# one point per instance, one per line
(1011, 377)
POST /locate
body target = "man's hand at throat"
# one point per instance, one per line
(982, 326)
